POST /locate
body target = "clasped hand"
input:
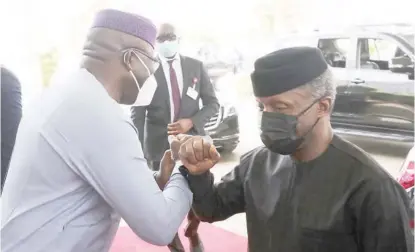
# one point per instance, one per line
(196, 154)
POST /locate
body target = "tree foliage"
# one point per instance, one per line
(49, 62)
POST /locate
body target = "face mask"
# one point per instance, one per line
(146, 92)
(278, 131)
(168, 49)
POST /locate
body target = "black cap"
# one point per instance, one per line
(286, 69)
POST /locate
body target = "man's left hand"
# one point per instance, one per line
(182, 126)
(166, 169)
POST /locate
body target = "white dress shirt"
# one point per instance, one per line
(76, 169)
(177, 66)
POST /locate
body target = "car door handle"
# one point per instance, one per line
(358, 81)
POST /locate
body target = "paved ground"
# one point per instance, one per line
(388, 154)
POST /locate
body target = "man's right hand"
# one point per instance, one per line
(196, 154)
(175, 143)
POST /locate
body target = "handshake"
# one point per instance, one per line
(196, 153)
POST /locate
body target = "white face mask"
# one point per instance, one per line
(146, 92)
(168, 49)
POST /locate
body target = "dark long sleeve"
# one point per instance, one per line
(216, 202)
(209, 100)
(11, 114)
(382, 212)
(138, 116)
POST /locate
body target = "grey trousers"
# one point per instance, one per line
(154, 165)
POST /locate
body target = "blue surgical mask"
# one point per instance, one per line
(168, 48)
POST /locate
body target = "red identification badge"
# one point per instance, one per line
(194, 82)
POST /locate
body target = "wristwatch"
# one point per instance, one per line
(183, 170)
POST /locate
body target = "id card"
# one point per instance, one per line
(192, 93)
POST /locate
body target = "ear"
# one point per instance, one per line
(127, 57)
(325, 106)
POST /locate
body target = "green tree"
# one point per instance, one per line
(49, 62)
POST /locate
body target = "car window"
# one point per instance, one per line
(335, 51)
(382, 55)
(380, 49)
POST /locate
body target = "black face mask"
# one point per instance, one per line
(278, 131)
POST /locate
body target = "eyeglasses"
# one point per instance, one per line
(139, 51)
(166, 37)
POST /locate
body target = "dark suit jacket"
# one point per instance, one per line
(11, 113)
(152, 126)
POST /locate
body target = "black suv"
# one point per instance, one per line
(224, 126)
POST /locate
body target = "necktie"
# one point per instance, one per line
(175, 91)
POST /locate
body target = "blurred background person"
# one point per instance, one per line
(11, 113)
(182, 82)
